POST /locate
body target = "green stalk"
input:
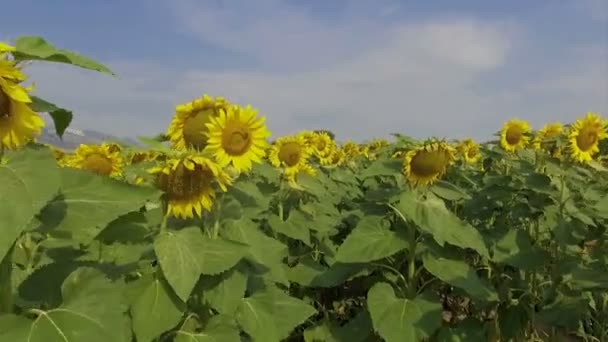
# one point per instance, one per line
(412, 275)
(6, 286)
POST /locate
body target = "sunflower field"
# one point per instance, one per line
(216, 231)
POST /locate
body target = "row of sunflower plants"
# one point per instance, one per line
(211, 232)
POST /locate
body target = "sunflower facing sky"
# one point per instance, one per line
(515, 135)
(237, 137)
(427, 163)
(292, 154)
(188, 184)
(100, 159)
(188, 129)
(584, 137)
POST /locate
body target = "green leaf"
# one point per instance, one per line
(382, 167)
(61, 117)
(186, 254)
(30, 178)
(154, 144)
(295, 227)
(37, 48)
(156, 310)
(358, 329)
(515, 248)
(312, 274)
(271, 315)
(449, 191)
(432, 216)
(224, 292)
(265, 253)
(458, 273)
(467, 330)
(370, 241)
(89, 202)
(586, 279)
(565, 311)
(92, 308)
(401, 319)
(218, 329)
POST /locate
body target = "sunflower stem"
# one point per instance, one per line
(412, 275)
(163, 223)
(6, 288)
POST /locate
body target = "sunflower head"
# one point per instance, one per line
(469, 151)
(292, 153)
(98, 159)
(188, 184)
(515, 135)
(188, 129)
(322, 146)
(427, 163)
(19, 124)
(542, 139)
(584, 137)
(237, 137)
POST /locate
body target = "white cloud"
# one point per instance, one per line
(354, 76)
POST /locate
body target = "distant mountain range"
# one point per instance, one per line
(72, 138)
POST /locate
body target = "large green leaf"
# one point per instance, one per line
(432, 216)
(92, 308)
(515, 248)
(358, 329)
(312, 274)
(156, 310)
(401, 319)
(37, 48)
(370, 241)
(270, 315)
(224, 292)
(186, 254)
(219, 329)
(293, 227)
(61, 117)
(458, 273)
(29, 178)
(89, 202)
(265, 253)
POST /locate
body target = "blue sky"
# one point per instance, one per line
(361, 68)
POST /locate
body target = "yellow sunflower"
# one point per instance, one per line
(10, 77)
(19, 124)
(337, 157)
(549, 131)
(515, 135)
(322, 146)
(188, 184)
(99, 159)
(469, 150)
(188, 129)
(427, 163)
(6, 48)
(584, 137)
(291, 153)
(237, 137)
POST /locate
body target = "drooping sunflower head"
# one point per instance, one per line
(98, 159)
(543, 137)
(19, 124)
(188, 129)
(189, 184)
(237, 137)
(427, 163)
(469, 150)
(515, 135)
(584, 137)
(322, 146)
(337, 157)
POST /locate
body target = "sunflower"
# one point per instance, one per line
(188, 129)
(514, 135)
(291, 153)
(10, 77)
(61, 156)
(337, 157)
(6, 48)
(237, 137)
(99, 159)
(188, 184)
(549, 131)
(469, 150)
(19, 124)
(322, 147)
(427, 163)
(584, 137)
